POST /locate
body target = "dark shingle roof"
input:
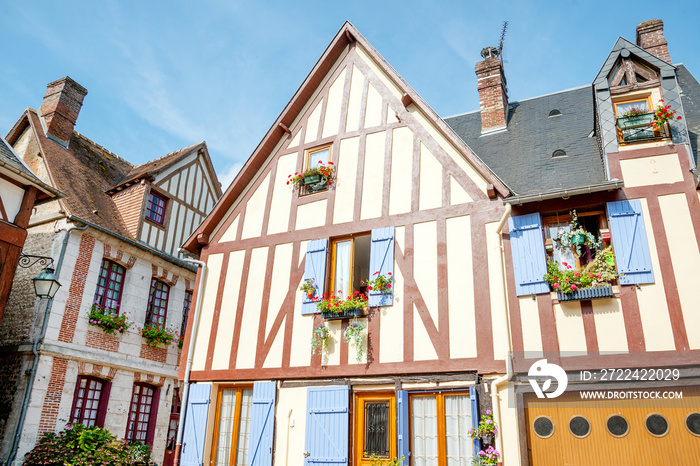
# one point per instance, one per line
(522, 155)
(691, 105)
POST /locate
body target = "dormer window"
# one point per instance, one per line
(155, 211)
(634, 120)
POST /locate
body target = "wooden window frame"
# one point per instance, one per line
(640, 98)
(333, 242)
(441, 420)
(150, 208)
(359, 424)
(186, 306)
(307, 162)
(136, 408)
(236, 421)
(101, 296)
(101, 404)
(550, 220)
(151, 296)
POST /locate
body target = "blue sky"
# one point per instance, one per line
(162, 75)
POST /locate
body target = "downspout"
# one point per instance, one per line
(35, 351)
(495, 399)
(190, 355)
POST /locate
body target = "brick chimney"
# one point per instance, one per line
(493, 97)
(61, 107)
(650, 37)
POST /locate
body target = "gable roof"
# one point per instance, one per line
(11, 162)
(522, 155)
(623, 44)
(690, 96)
(345, 36)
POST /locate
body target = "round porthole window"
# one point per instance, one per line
(617, 426)
(692, 423)
(657, 425)
(579, 427)
(543, 427)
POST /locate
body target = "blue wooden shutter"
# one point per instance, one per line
(327, 426)
(527, 248)
(475, 419)
(314, 269)
(629, 238)
(262, 423)
(402, 421)
(195, 424)
(381, 259)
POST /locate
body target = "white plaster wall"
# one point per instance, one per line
(251, 309)
(460, 288)
(391, 317)
(430, 180)
(255, 210)
(499, 324)
(530, 322)
(290, 427)
(373, 110)
(278, 218)
(373, 177)
(229, 308)
(331, 123)
(231, 231)
(206, 316)
(312, 123)
(311, 215)
(401, 171)
(646, 171)
(354, 100)
(346, 180)
(610, 326)
(11, 196)
(570, 331)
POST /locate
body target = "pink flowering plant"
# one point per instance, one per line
(309, 287)
(337, 305)
(379, 281)
(487, 426)
(489, 456)
(156, 335)
(108, 319)
(599, 272)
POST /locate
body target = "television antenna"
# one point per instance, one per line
(503, 37)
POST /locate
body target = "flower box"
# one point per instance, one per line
(311, 179)
(596, 292)
(356, 312)
(635, 121)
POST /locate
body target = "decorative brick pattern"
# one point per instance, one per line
(100, 340)
(162, 275)
(77, 287)
(153, 354)
(149, 378)
(52, 400)
(129, 202)
(118, 256)
(188, 285)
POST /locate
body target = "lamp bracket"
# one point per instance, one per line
(28, 260)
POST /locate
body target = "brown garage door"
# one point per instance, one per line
(569, 431)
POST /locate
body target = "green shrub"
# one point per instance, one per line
(78, 445)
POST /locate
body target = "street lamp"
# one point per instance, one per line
(46, 283)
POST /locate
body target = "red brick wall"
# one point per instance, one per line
(154, 354)
(77, 286)
(492, 94)
(130, 203)
(52, 400)
(650, 36)
(61, 106)
(100, 340)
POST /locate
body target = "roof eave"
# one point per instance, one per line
(565, 193)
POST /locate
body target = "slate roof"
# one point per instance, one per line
(522, 155)
(10, 159)
(690, 96)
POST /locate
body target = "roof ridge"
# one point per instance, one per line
(182, 149)
(102, 148)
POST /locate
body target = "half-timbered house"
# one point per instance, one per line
(464, 213)
(113, 238)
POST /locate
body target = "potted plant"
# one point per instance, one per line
(156, 335)
(576, 237)
(487, 428)
(335, 307)
(489, 455)
(314, 178)
(320, 339)
(309, 287)
(379, 282)
(379, 461)
(590, 282)
(355, 333)
(107, 319)
(663, 114)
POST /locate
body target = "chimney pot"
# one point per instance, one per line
(650, 36)
(60, 108)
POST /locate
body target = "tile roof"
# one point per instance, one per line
(690, 96)
(522, 155)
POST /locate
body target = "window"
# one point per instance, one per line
(592, 221)
(185, 312)
(108, 294)
(350, 264)
(155, 210)
(440, 424)
(90, 401)
(375, 432)
(157, 303)
(142, 414)
(315, 158)
(633, 118)
(232, 426)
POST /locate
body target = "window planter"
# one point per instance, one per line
(348, 314)
(311, 179)
(596, 292)
(635, 121)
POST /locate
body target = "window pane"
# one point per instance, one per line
(316, 158)
(458, 421)
(377, 429)
(558, 254)
(223, 440)
(342, 268)
(361, 262)
(244, 428)
(424, 432)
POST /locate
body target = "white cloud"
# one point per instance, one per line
(228, 175)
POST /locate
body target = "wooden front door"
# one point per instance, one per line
(570, 431)
(375, 427)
